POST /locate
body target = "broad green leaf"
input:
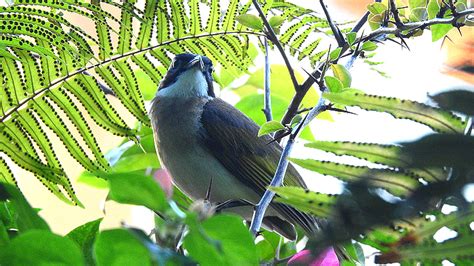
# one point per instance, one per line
(433, 9)
(439, 31)
(418, 10)
(296, 120)
(250, 21)
(270, 127)
(276, 21)
(376, 8)
(160, 255)
(351, 37)
(335, 54)
(222, 240)
(341, 73)
(333, 84)
(25, 216)
(84, 236)
(92, 180)
(437, 119)
(38, 247)
(456, 100)
(265, 250)
(135, 188)
(137, 162)
(368, 46)
(315, 203)
(4, 238)
(120, 247)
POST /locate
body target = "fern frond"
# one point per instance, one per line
(398, 183)
(389, 155)
(437, 119)
(53, 72)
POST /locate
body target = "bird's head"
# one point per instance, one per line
(189, 75)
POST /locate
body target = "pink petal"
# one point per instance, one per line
(304, 257)
(164, 180)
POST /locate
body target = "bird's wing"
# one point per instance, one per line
(229, 134)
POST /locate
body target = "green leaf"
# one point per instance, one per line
(137, 162)
(418, 10)
(296, 120)
(26, 217)
(456, 100)
(351, 37)
(433, 9)
(333, 84)
(368, 46)
(250, 21)
(376, 8)
(276, 21)
(84, 236)
(341, 73)
(435, 118)
(270, 127)
(120, 247)
(92, 180)
(222, 240)
(335, 54)
(265, 250)
(315, 203)
(439, 31)
(39, 247)
(135, 188)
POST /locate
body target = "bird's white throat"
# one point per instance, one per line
(190, 83)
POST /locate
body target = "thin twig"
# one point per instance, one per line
(267, 102)
(274, 39)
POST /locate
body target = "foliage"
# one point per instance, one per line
(58, 80)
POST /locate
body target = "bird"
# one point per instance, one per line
(201, 140)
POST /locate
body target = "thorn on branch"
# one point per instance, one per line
(335, 30)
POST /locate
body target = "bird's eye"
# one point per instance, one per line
(211, 69)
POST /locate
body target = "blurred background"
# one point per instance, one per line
(414, 74)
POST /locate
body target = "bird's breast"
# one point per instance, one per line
(177, 126)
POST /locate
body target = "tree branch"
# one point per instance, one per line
(273, 38)
(412, 26)
(279, 176)
(267, 102)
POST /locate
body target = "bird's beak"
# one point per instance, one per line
(197, 60)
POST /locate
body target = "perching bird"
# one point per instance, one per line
(200, 137)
